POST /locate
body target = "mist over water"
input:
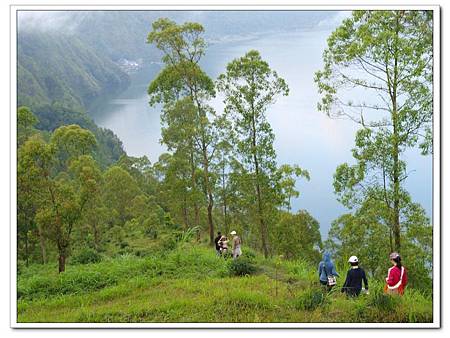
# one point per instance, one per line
(303, 135)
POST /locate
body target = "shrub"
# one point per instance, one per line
(249, 253)
(310, 300)
(86, 256)
(241, 267)
(382, 301)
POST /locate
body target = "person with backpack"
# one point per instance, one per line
(355, 276)
(236, 245)
(216, 242)
(327, 271)
(397, 276)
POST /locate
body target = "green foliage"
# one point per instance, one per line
(250, 87)
(297, 236)
(26, 122)
(190, 126)
(242, 266)
(383, 302)
(387, 54)
(310, 300)
(69, 283)
(86, 256)
(191, 284)
(109, 147)
(119, 190)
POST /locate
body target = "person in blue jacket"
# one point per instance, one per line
(327, 271)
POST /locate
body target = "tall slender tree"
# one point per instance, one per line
(250, 87)
(378, 73)
(182, 84)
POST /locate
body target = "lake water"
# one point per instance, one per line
(304, 136)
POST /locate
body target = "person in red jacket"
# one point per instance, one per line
(397, 276)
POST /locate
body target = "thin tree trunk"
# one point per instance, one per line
(185, 213)
(62, 263)
(395, 155)
(194, 189)
(210, 196)
(262, 224)
(26, 249)
(96, 237)
(42, 246)
(225, 218)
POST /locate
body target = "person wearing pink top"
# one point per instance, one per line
(397, 278)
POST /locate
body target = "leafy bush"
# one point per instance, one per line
(249, 253)
(242, 266)
(382, 301)
(86, 256)
(310, 300)
(124, 245)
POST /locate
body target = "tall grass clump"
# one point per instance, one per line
(311, 299)
(383, 302)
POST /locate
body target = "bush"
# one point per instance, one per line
(86, 256)
(249, 253)
(310, 300)
(383, 302)
(241, 267)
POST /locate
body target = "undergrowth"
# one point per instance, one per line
(192, 284)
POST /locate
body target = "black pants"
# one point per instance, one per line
(353, 292)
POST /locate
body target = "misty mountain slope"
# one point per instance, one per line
(61, 70)
(123, 34)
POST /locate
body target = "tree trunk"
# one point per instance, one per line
(395, 153)
(210, 197)
(96, 237)
(42, 246)
(62, 263)
(225, 218)
(185, 213)
(262, 223)
(194, 189)
(26, 249)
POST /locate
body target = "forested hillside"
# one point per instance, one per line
(59, 70)
(59, 76)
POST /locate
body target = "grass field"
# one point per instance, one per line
(191, 284)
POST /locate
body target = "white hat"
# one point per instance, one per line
(233, 233)
(353, 259)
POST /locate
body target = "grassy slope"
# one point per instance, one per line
(192, 285)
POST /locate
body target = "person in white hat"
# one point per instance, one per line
(355, 276)
(236, 245)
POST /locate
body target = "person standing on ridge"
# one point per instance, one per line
(397, 276)
(236, 245)
(353, 283)
(327, 271)
(216, 242)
